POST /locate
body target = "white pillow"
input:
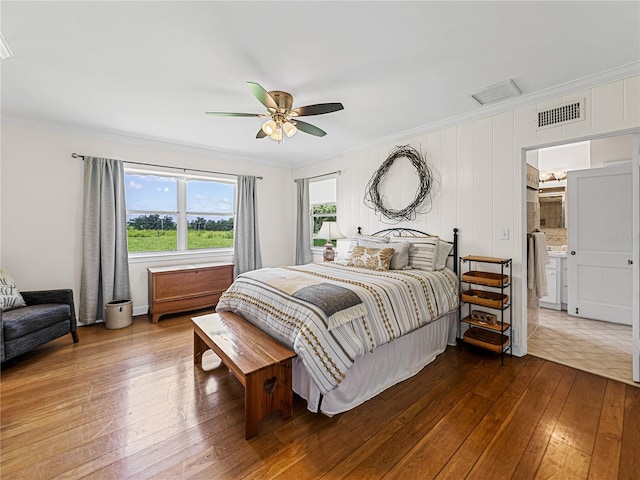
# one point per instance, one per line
(9, 295)
(400, 259)
(374, 242)
(422, 255)
(444, 248)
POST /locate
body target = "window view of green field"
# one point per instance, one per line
(153, 233)
(153, 212)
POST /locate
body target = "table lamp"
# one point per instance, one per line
(329, 231)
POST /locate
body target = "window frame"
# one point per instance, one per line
(182, 215)
(313, 216)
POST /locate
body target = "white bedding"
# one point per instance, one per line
(397, 302)
(376, 371)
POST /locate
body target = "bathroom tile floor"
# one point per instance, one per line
(598, 347)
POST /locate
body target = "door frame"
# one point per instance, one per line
(635, 272)
(523, 226)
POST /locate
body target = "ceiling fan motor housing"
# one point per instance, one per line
(284, 100)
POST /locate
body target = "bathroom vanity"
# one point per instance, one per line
(556, 272)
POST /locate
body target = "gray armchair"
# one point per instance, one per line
(49, 314)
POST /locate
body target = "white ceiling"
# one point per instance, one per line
(151, 69)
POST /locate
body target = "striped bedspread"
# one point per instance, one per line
(396, 301)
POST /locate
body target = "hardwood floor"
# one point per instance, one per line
(129, 403)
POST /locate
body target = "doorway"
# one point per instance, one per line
(599, 347)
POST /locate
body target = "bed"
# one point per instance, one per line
(357, 331)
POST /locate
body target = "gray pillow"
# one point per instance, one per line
(400, 259)
(374, 242)
(444, 248)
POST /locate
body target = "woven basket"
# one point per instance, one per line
(496, 342)
(485, 278)
(487, 299)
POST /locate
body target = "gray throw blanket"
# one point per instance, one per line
(340, 304)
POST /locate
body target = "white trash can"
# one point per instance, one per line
(118, 314)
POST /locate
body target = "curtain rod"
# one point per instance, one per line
(339, 172)
(75, 155)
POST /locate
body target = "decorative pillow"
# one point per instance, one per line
(400, 259)
(423, 253)
(371, 258)
(444, 248)
(358, 240)
(9, 295)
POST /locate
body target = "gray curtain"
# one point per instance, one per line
(246, 250)
(303, 224)
(105, 267)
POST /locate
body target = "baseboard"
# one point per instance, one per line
(143, 310)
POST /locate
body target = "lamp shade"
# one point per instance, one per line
(269, 127)
(330, 231)
(289, 129)
(277, 134)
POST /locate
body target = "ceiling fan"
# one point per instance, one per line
(282, 117)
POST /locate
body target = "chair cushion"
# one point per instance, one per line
(25, 320)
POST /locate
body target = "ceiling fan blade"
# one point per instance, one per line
(319, 109)
(262, 95)
(310, 129)
(228, 114)
(261, 134)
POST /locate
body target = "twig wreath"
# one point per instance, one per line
(374, 200)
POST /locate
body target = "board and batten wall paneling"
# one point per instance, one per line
(482, 206)
(480, 170)
(504, 179)
(465, 184)
(632, 100)
(433, 157)
(608, 101)
(448, 182)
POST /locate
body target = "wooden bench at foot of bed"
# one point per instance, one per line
(262, 364)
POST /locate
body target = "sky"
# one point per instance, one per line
(160, 194)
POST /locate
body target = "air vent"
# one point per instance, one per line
(497, 92)
(567, 113)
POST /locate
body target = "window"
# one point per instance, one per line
(178, 213)
(322, 203)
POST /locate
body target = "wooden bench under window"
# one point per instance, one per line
(262, 364)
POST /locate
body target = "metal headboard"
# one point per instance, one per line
(410, 232)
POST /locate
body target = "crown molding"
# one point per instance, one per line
(608, 76)
(143, 141)
(615, 74)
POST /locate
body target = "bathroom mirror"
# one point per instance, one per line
(552, 209)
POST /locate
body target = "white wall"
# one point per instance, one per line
(41, 205)
(609, 151)
(480, 173)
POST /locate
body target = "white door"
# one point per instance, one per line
(600, 243)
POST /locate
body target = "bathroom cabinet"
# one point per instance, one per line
(556, 273)
(552, 299)
(490, 326)
(564, 287)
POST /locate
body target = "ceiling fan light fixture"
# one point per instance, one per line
(289, 129)
(277, 134)
(269, 127)
(279, 117)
